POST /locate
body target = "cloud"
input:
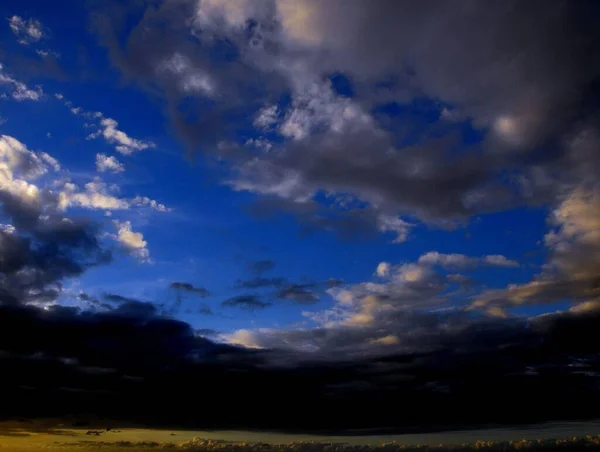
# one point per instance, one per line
(383, 269)
(144, 201)
(96, 196)
(570, 273)
(363, 313)
(261, 266)
(26, 31)
(298, 293)
(190, 288)
(132, 241)
(108, 163)
(99, 195)
(461, 260)
(323, 142)
(349, 224)
(266, 117)
(116, 298)
(260, 282)
(249, 302)
(41, 246)
(19, 90)
(498, 260)
(124, 144)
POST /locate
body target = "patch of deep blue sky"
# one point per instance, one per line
(210, 237)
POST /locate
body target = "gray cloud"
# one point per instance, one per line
(190, 288)
(116, 298)
(298, 293)
(260, 282)
(526, 96)
(249, 302)
(261, 266)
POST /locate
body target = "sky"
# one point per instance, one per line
(360, 200)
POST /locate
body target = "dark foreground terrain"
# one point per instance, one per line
(588, 444)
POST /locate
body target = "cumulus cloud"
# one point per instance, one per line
(124, 144)
(96, 195)
(132, 241)
(383, 269)
(19, 90)
(27, 31)
(570, 274)
(100, 195)
(461, 260)
(108, 163)
(327, 142)
(144, 201)
(41, 246)
(375, 317)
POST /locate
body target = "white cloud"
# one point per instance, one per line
(299, 21)
(20, 91)
(388, 223)
(124, 143)
(108, 163)
(383, 269)
(574, 258)
(266, 117)
(461, 260)
(245, 338)
(315, 106)
(99, 195)
(190, 79)
(49, 160)
(386, 340)
(144, 201)
(133, 241)
(46, 53)
(95, 196)
(498, 260)
(259, 176)
(16, 158)
(259, 143)
(234, 13)
(26, 31)
(18, 166)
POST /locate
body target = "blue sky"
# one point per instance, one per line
(310, 189)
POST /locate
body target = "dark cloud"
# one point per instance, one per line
(260, 282)
(249, 302)
(93, 301)
(350, 224)
(460, 358)
(34, 267)
(190, 288)
(116, 298)
(524, 101)
(207, 332)
(159, 55)
(261, 266)
(206, 310)
(298, 293)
